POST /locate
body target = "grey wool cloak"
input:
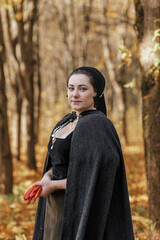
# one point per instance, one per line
(96, 203)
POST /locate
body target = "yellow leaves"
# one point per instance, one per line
(17, 219)
(156, 20)
(2, 3)
(100, 64)
(143, 223)
(126, 55)
(119, 124)
(156, 48)
(156, 34)
(9, 3)
(131, 84)
(137, 185)
(1, 48)
(146, 117)
(16, 1)
(140, 198)
(143, 220)
(13, 225)
(147, 96)
(13, 205)
(19, 16)
(155, 70)
(156, 75)
(157, 63)
(22, 237)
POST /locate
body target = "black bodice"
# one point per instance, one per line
(59, 156)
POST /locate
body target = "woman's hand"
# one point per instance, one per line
(48, 186)
(46, 183)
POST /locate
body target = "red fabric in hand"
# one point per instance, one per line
(32, 194)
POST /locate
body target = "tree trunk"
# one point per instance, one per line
(146, 12)
(23, 60)
(118, 103)
(19, 111)
(87, 11)
(6, 178)
(39, 84)
(124, 118)
(30, 135)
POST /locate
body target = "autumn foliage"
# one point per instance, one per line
(17, 218)
(40, 44)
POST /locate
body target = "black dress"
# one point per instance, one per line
(59, 161)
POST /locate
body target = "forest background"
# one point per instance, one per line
(41, 42)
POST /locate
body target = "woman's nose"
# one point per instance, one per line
(76, 93)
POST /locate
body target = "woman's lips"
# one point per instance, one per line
(75, 102)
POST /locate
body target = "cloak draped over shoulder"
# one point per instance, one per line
(96, 203)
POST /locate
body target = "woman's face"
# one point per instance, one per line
(80, 93)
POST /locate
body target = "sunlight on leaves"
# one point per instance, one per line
(156, 75)
(117, 125)
(157, 62)
(156, 20)
(146, 117)
(131, 84)
(19, 16)
(147, 96)
(126, 55)
(13, 205)
(156, 48)
(1, 48)
(153, 226)
(156, 34)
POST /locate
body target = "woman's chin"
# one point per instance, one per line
(76, 108)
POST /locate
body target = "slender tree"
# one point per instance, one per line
(148, 21)
(22, 52)
(116, 76)
(6, 178)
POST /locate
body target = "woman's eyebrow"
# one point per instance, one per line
(78, 85)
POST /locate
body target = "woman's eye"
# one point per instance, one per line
(71, 88)
(83, 89)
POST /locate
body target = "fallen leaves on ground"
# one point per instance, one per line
(137, 185)
(17, 218)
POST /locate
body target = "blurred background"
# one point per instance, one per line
(41, 42)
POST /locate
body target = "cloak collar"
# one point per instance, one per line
(86, 112)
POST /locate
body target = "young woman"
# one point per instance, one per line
(84, 190)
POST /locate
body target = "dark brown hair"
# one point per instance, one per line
(80, 71)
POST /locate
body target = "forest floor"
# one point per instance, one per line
(17, 218)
